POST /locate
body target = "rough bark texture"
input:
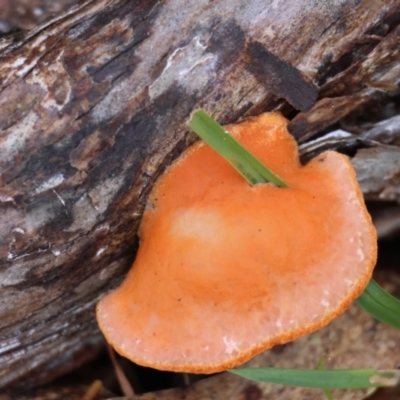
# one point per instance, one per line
(93, 107)
(26, 14)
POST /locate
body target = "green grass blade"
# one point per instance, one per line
(380, 304)
(328, 394)
(322, 379)
(320, 366)
(229, 148)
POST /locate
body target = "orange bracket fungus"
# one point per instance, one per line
(226, 270)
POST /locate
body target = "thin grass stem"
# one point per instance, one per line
(253, 170)
(380, 304)
(322, 379)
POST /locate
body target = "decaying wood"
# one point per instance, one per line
(379, 179)
(387, 131)
(387, 220)
(93, 107)
(62, 392)
(377, 166)
(26, 14)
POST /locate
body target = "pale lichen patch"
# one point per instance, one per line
(54, 81)
(14, 140)
(50, 183)
(10, 344)
(100, 251)
(182, 68)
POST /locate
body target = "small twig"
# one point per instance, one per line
(186, 379)
(93, 390)
(123, 381)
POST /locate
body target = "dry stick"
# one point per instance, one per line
(93, 390)
(123, 381)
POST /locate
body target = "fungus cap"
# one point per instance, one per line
(226, 270)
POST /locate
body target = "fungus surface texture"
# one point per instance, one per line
(226, 270)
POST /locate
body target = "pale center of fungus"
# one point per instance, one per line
(203, 225)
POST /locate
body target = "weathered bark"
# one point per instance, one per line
(93, 107)
(26, 14)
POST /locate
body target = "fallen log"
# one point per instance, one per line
(93, 105)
